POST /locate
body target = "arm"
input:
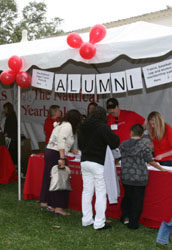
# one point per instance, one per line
(110, 137)
(62, 159)
(168, 136)
(65, 131)
(161, 156)
(155, 165)
(147, 154)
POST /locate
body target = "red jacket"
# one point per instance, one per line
(48, 127)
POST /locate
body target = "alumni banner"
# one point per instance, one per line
(118, 82)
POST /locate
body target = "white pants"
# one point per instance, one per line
(93, 178)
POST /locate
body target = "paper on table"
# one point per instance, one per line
(77, 157)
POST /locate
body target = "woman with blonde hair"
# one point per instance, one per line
(161, 135)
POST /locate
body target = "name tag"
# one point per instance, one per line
(114, 126)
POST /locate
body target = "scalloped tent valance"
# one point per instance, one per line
(137, 40)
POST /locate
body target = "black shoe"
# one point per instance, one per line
(106, 226)
(131, 226)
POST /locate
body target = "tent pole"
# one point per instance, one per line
(24, 39)
(19, 141)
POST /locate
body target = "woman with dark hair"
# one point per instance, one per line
(90, 107)
(60, 143)
(93, 138)
(10, 129)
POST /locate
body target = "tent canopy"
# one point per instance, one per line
(136, 40)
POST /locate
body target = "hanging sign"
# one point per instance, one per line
(42, 79)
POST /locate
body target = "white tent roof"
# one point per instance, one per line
(136, 40)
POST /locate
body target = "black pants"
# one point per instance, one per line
(132, 204)
(13, 151)
(53, 198)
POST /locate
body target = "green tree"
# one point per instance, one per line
(33, 19)
(8, 16)
(35, 22)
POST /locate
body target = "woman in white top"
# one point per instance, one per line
(60, 143)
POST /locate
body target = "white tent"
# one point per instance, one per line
(126, 47)
(136, 40)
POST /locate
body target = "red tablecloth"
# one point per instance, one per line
(158, 196)
(7, 168)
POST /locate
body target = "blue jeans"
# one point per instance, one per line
(164, 233)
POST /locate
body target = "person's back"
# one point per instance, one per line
(94, 136)
(135, 152)
(134, 155)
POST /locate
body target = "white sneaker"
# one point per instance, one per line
(126, 221)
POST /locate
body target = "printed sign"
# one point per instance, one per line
(42, 79)
(158, 73)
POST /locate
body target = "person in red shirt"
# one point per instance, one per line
(121, 121)
(54, 115)
(161, 135)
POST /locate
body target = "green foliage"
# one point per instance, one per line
(24, 227)
(33, 19)
(8, 15)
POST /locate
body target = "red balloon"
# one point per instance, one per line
(87, 50)
(8, 77)
(97, 33)
(15, 63)
(23, 79)
(74, 40)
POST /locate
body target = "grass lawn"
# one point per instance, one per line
(24, 227)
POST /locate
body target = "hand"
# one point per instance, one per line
(166, 170)
(159, 157)
(61, 164)
(74, 151)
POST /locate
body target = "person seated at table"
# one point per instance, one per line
(93, 138)
(90, 107)
(120, 120)
(10, 130)
(135, 153)
(161, 135)
(60, 143)
(54, 115)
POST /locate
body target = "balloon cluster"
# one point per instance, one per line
(87, 49)
(7, 77)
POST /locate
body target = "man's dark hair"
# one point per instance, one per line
(112, 103)
(137, 129)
